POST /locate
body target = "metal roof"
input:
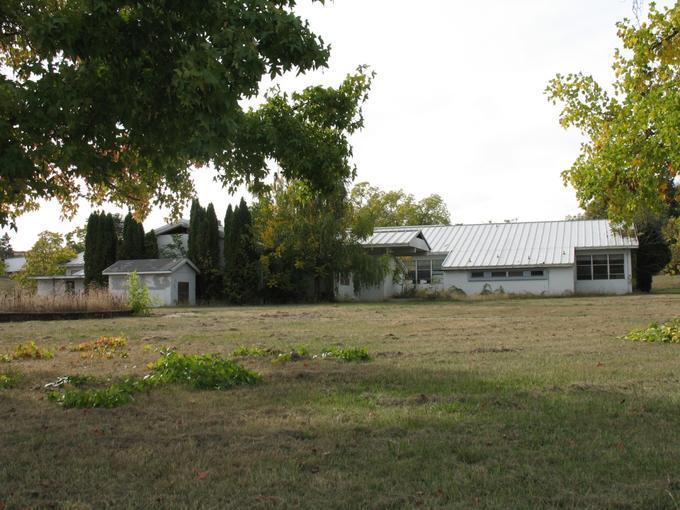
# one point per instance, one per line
(147, 266)
(78, 260)
(406, 237)
(519, 244)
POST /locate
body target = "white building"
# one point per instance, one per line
(170, 282)
(73, 281)
(550, 258)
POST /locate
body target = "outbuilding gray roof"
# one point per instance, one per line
(14, 264)
(148, 266)
(519, 244)
(78, 260)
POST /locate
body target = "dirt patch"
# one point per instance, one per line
(493, 350)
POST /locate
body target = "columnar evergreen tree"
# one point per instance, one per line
(151, 245)
(101, 243)
(204, 250)
(228, 243)
(5, 247)
(241, 258)
(132, 243)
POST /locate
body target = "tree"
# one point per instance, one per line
(127, 97)
(630, 156)
(307, 242)
(396, 208)
(101, 243)
(75, 239)
(241, 282)
(6, 250)
(151, 245)
(132, 243)
(204, 250)
(672, 235)
(48, 256)
(629, 161)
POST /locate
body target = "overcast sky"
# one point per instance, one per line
(457, 107)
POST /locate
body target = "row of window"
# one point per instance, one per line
(600, 267)
(508, 274)
(424, 271)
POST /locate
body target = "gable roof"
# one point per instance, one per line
(525, 244)
(78, 260)
(180, 227)
(408, 238)
(14, 264)
(148, 266)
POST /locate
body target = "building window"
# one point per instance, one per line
(344, 280)
(70, 286)
(600, 267)
(424, 271)
(509, 274)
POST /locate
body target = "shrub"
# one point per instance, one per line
(138, 296)
(668, 333)
(111, 396)
(9, 379)
(347, 354)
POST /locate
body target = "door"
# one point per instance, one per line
(183, 293)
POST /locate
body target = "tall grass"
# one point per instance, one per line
(95, 300)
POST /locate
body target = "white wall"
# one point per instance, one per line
(54, 287)
(558, 281)
(624, 286)
(167, 239)
(184, 274)
(159, 287)
(386, 290)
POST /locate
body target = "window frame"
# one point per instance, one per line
(595, 276)
(487, 275)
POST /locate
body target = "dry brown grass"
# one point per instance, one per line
(95, 300)
(500, 404)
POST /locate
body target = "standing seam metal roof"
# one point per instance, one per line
(517, 244)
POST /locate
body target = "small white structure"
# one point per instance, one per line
(550, 258)
(170, 282)
(73, 282)
(14, 264)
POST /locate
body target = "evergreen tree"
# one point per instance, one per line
(132, 243)
(6, 250)
(92, 248)
(101, 242)
(228, 244)
(211, 264)
(241, 257)
(151, 245)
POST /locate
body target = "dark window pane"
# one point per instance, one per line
(616, 272)
(424, 273)
(583, 260)
(477, 274)
(498, 274)
(600, 271)
(516, 274)
(537, 273)
(600, 259)
(584, 272)
(616, 259)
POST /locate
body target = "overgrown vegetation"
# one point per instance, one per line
(9, 379)
(103, 347)
(200, 372)
(347, 353)
(27, 350)
(668, 333)
(138, 298)
(95, 300)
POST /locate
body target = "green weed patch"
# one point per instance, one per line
(350, 354)
(667, 333)
(9, 379)
(28, 350)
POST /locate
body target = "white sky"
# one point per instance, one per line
(457, 107)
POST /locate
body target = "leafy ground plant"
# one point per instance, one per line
(667, 333)
(202, 372)
(28, 350)
(297, 353)
(103, 347)
(347, 353)
(9, 379)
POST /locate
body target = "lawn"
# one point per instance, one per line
(514, 403)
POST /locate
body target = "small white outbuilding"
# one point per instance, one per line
(170, 282)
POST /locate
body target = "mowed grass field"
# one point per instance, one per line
(514, 403)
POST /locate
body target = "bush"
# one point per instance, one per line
(668, 333)
(347, 354)
(138, 296)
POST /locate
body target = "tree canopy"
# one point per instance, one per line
(396, 208)
(117, 101)
(630, 156)
(48, 256)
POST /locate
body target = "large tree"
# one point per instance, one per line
(630, 155)
(48, 256)
(241, 257)
(126, 97)
(308, 240)
(132, 243)
(396, 208)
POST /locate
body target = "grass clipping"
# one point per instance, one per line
(667, 333)
(201, 372)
